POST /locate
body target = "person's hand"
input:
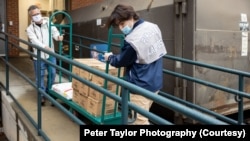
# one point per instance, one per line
(60, 38)
(106, 55)
(48, 48)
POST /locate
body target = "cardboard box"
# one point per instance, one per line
(80, 99)
(76, 96)
(99, 80)
(83, 102)
(91, 62)
(80, 87)
(111, 70)
(101, 66)
(76, 70)
(94, 107)
(96, 95)
(84, 89)
(94, 100)
(76, 84)
(86, 61)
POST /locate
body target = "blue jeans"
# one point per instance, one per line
(51, 73)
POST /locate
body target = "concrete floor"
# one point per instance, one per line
(56, 125)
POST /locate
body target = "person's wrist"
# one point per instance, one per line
(109, 57)
(60, 38)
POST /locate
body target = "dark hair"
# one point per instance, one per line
(32, 7)
(121, 13)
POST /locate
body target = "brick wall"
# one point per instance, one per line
(75, 4)
(12, 15)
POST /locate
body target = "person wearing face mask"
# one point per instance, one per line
(38, 34)
(141, 54)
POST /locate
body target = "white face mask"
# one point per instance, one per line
(37, 18)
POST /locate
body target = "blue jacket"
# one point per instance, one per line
(148, 76)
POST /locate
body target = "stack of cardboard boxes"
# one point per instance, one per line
(88, 98)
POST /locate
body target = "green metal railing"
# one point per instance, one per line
(239, 94)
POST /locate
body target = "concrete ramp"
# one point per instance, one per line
(16, 126)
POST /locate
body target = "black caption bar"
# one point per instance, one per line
(165, 131)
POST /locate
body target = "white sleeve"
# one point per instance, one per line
(55, 32)
(33, 37)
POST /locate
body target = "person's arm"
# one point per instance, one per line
(33, 37)
(125, 58)
(55, 33)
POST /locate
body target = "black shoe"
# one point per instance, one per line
(52, 104)
(43, 101)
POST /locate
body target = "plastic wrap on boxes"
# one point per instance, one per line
(64, 89)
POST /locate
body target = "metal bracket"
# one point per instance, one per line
(183, 4)
(244, 26)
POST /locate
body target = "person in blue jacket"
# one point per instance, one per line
(141, 54)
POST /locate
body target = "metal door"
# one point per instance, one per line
(218, 41)
(209, 32)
